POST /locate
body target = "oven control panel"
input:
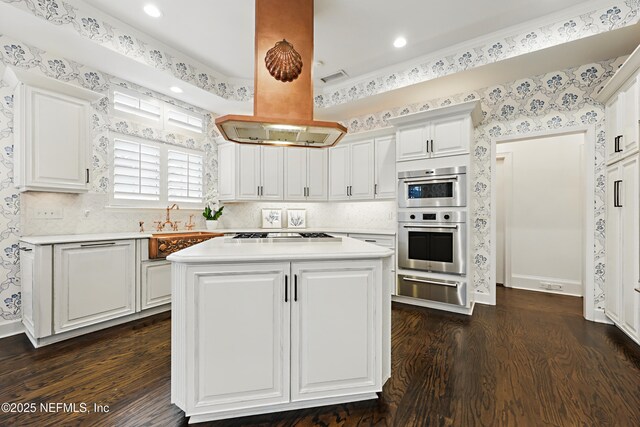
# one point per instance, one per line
(431, 216)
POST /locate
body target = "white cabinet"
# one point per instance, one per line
(387, 242)
(385, 168)
(622, 302)
(227, 171)
(347, 290)
(52, 134)
(621, 97)
(241, 322)
(305, 174)
(73, 288)
(446, 131)
(155, 284)
(93, 282)
(351, 171)
(250, 172)
(263, 336)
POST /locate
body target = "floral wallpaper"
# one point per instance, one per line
(556, 100)
(35, 60)
(471, 55)
(587, 22)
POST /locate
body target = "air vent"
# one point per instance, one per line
(335, 76)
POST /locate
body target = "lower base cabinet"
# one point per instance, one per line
(155, 284)
(276, 336)
(93, 282)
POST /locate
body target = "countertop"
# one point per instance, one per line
(74, 238)
(226, 250)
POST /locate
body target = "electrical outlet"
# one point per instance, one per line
(551, 286)
(47, 213)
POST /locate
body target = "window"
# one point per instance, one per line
(184, 177)
(184, 120)
(137, 104)
(131, 105)
(146, 173)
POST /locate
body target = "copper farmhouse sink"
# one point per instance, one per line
(161, 245)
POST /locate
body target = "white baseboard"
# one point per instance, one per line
(11, 328)
(600, 317)
(536, 283)
(486, 299)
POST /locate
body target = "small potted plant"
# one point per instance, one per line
(211, 217)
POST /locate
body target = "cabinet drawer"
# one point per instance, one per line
(376, 239)
(432, 290)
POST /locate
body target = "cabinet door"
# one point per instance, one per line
(272, 165)
(317, 174)
(242, 324)
(338, 172)
(630, 232)
(613, 244)
(226, 172)
(248, 174)
(56, 142)
(361, 160)
(155, 284)
(295, 173)
(412, 143)
(450, 135)
(631, 116)
(385, 168)
(334, 319)
(611, 119)
(93, 282)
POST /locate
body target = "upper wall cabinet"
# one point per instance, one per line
(621, 97)
(441, 132)
(52, 134)
(360, 169)
(305, 173)
(250, 172)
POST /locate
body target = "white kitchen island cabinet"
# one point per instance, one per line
(269, 327)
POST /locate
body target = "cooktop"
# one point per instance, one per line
(263, 237)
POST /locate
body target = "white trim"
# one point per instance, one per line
(8, 329)
(508, 175)
(600, 317)
(533, 283)
(589, 196)
(486, 299)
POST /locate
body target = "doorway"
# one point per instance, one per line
(543, 186)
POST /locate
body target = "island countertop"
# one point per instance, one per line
(224, 250)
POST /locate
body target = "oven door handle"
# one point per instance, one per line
(431, 282)
(427, 179)
(452, 227)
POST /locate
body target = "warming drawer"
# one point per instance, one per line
(445, 291)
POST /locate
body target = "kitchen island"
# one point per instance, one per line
(270, 326)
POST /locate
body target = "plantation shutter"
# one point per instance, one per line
(185, 177)
(137, 106)
(136, 171)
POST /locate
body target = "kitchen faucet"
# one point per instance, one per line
(172, 224)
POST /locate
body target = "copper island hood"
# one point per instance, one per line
(283, 87)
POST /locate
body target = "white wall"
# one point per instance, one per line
(546, 211)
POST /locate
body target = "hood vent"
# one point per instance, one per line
(341, 74)
(283, 87)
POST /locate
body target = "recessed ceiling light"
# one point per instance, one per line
(176, 89)
(400, 42)
(152, 10)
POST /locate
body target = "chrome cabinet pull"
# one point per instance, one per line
(432, 146)
(375, 189)
(89, 245)
(432, 226)
(430, 282)
(22, 248)
(87, 176)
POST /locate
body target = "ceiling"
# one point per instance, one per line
(356, 35)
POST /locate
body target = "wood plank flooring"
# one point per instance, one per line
(529, 361)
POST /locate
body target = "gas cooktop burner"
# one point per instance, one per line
(284, 237)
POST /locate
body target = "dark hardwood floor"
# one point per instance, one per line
(530, 361)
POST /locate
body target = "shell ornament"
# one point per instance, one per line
(283, 62)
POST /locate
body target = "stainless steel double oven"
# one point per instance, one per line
(432, 233)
